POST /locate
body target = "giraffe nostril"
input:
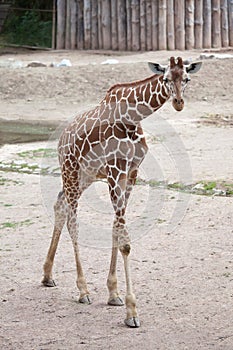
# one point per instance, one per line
(178, 101)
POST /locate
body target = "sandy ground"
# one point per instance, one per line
(182, 246)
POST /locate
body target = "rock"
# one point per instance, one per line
(64, 63)
(198, 186)
(36, 64)
(110, 61)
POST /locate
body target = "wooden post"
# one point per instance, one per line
(207, 23)
(94, 25)
(100, 32)
(189, 24)
(121, 10)
(148, 25)
(216, 37)
(162, 33)
(135, 25)
(129, 24)
(87, 23)
(143, 24)
(230, 21)
(61, 16)
(198, 20)
(73, 23)
(179, 25)
(67, 33)
(154, 24)
(224, 23)
(106, 25)
(54, 26)
(170, 25)
(80, 25)
(114, 26)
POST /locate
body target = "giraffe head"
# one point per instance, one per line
(175, 77)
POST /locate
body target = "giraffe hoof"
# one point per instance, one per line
(48, 282)
(132, 322)
(116, 302)
(85, 300)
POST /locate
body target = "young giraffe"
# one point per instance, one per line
(108, 142)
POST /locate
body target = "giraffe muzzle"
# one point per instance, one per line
(178, 103)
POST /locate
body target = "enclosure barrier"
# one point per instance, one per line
(144, 24)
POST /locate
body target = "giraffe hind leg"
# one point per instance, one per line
(60, 214)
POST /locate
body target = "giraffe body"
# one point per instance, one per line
(108, 142)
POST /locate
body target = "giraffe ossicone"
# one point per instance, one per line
(108, 142)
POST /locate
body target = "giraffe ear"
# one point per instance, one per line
(193, 67)
(156, 68)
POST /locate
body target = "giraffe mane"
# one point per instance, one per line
(132, 84)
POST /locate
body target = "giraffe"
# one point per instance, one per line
(108, 142)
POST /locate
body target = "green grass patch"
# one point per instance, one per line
(207, 188)
(14, 224)
(6, 182)
(39, 153)
(176, 186)
(15, 166)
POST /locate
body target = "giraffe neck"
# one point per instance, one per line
(134, 102)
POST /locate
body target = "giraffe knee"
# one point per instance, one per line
(125, 249)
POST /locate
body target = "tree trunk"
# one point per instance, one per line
(73, 23)
(162, 38)
(198, 19)
(230, 21)
(67, 33)
(121, 10)
(154, 25)
(80, 30)
(129, 24)
(143, 24)
(170, 25)
(148, 26)
(94, 25)
(114, 29)
(179, 25)
(135, 25)
(216, 29)
(207, 24)
(100, 32)
(224, 23)
(189, 24)
(54, 26)
(87, 24)
(106, 25)
(61, 21)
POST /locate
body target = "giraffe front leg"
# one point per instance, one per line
(114, 297)
(72, 226)
(120, 231)
(117, 181)
(132, 319)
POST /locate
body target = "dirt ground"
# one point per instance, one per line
(179, 217)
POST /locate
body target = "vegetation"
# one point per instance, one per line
(14, 224)
(39, 153)
(25, 25)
